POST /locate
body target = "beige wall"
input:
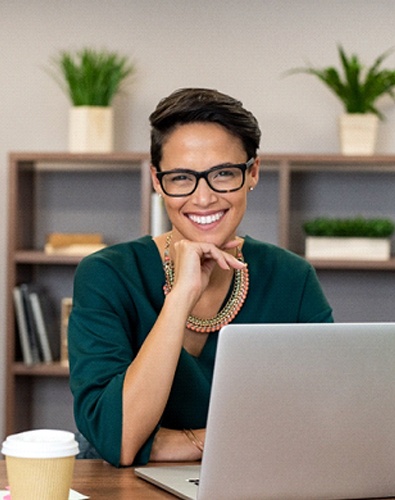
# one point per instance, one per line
(238, 46)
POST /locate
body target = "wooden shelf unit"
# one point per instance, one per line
(47, 192)
(33, 176)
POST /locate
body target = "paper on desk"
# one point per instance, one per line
(74, 495)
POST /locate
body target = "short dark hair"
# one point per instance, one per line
(191, 105)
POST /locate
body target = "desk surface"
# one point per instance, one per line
(101, 481)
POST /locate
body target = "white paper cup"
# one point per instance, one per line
(40, 464)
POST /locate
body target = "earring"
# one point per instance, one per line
(251, 188)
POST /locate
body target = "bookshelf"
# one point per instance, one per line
(111, 193)
(50, 192)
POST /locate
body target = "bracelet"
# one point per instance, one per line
(194, 439)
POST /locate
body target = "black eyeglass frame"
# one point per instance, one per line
(204, 175)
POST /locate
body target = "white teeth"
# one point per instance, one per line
(206, 219)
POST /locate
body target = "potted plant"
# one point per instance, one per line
(356, 238)
(358, 88)
(91, 79)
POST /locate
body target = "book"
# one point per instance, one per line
(66, 306)
(41, 328)
(22, 326)
(30, 323)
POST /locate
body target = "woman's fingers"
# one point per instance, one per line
(208, 251)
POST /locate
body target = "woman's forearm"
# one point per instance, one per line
(149, 377)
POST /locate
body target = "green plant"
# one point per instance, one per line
(90, 77)
(350, 227)
(357, 87)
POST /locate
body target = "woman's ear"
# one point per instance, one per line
(154, 179)
(253, 174)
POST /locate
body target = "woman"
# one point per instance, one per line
(146, 315)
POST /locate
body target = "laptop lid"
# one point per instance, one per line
(301, 411)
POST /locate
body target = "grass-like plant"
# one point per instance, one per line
(90, 77)
(358, 87)
(350, 227)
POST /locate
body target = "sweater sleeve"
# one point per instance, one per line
(104, 336)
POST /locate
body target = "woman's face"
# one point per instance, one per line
(205, 215)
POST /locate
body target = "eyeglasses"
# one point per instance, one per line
(221, 179)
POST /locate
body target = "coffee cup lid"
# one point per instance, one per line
(40, 443)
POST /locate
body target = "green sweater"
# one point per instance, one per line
(118, 294)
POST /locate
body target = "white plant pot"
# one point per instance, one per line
(91, 129)
(358, 133)
(331, 248)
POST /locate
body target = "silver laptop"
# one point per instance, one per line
(297, 411)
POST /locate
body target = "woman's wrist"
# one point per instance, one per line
(180, 302)
(194, 439)
(174, 445)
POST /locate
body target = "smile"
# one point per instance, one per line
(206, 219)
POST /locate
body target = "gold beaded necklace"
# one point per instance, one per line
(230, 309)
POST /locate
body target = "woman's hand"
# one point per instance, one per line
(174, 445)
(194, 263)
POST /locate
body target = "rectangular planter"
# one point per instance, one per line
(91, 129)
(358, 133)
(331, 248)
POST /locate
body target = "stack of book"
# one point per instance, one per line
(31, 325)
(73, 243)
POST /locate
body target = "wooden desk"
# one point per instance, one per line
(101, 481)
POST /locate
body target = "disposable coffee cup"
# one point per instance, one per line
(40, 464)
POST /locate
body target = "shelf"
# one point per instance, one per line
(77, 161)
(319, 161)
(357, 265)
(316, 164)
(40, 370)
(40, 257)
